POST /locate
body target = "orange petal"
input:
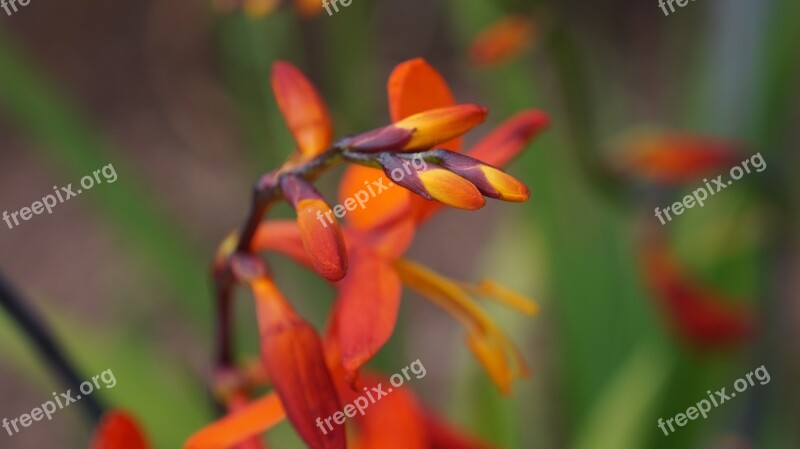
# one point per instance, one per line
(451, 189)
(293, 357)
(282, 236)
(703, 318)
(118, 430)
(436, 126)
(367, 305)
(303, 109)
(394, 422)
(673, 157)
(505, 142)
(502, 40)
(246, 422)
(385, 204)
(414, 86)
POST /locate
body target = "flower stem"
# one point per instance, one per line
(52, 353)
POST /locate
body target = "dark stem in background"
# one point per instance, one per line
(51, 352)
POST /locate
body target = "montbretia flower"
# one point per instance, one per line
(502, 40)
(673, 158)
(119, 430)
(703, 318)
(310, 379)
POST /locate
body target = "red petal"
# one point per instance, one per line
(369, 298)
(702, 317)
(303, 108)
(506, 141)
(293, 357)
(676, 158)
(118, 430)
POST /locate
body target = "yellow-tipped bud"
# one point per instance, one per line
(451, 189)
(440, 125)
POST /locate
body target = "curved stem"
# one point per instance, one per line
(52, 353)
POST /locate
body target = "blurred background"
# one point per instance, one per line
(175, 94)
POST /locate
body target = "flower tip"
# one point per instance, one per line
(507, 187)
(439, 125)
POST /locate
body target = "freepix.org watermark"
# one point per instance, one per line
(59, 195)
(47, 409)
(372, 396)
(370, 191)
(699, 196)
(9, 5)
(663, 5)
(717, 398)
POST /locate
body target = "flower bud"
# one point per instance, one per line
(322, 237)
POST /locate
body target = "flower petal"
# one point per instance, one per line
(703, 318)
(498, 355)
(293, 357)
(673, 157)
(386, 203)
(490, 181)
(394, 422)
(282, 236)
(248, 421)
(436, 126)
(303, 108)
(414, 86)
(367, 306)
(451, 189)
(502, 40)
(118, 430)
(505, 142)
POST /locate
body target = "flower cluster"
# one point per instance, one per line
(312, 375)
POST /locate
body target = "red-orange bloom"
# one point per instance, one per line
(293, 357)
(674, 158)
(502, 40)
(118, 430)
(702, 317)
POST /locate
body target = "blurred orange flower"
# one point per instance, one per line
(119, 430)
(503, 40)
(673, 158)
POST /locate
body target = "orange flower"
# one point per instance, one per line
(118, 430)
(702, 317)
(673, 158)
(377, 243)
(367, 304)
(502, 40)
